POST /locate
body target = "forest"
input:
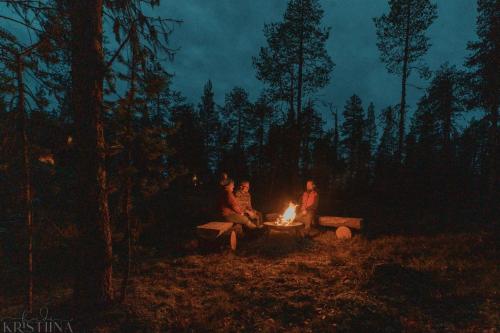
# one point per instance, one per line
(106, 170)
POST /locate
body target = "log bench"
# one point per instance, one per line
(214, 231)
(344, 225)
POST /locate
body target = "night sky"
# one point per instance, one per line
(219, 37)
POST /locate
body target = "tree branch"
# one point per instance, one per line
(110, 62)
(20, 22)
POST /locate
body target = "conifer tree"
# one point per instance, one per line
(263, 113)
(402, 42)
(353, 129)
(295, 64)
(484, 64)
(371, 130)
(312, 129)
(210, 124)
(238, 116)
(387, 148)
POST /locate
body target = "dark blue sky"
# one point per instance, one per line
(219, 37)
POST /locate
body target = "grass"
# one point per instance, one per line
(440, 283)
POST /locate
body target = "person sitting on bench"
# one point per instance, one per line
(308, 206)
(229, 208)
(244, 199)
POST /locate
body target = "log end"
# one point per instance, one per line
(233, 240)
(343, 233)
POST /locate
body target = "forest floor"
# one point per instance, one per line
(440, 283)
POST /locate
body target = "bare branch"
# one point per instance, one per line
(20, 22)
(110, 62)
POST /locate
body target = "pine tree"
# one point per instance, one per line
(445, 97)
(209, 120)
(186, 141)
(238, 116)
(312, 129)
(425, 130)
(89, 70)
(371, 130)
(402, 42)
(484, 63)
(295, 63)
(18, 58)
(321, 168)
(262, 112)
(353, 129)
(387, 148)
(87, 97)
(335, 137)
(473, 150)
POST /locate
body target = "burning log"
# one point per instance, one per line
(285, 222)
(288, 215)
(294, 228)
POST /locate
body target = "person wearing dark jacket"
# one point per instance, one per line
(229, 208)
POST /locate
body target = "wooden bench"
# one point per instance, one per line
(213, 231)
(343, 224)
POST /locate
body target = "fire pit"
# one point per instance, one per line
(286, 222)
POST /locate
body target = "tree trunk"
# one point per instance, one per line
(27, 179)
(291, 108)
(127, 212)
(292, 155)
(298, 126)
(239, 138)
(493, 153)
(447, 162)
(261, 142)
(404, 76)
(94, 285)
(447, 127)
(336, 139)
(127, 181)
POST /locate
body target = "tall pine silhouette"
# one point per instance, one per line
(402, 42)
(295, 63)
(484, 62)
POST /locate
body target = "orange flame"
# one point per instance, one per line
(288, 216)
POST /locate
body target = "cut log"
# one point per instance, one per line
(213, 230)
(233, 240)
(343, 233)
(336, 221)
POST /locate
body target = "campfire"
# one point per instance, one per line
(288, 216)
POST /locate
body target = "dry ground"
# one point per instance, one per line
(443, 283)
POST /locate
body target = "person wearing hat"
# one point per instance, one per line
(229, 208)
(244, 199)
(308, 206)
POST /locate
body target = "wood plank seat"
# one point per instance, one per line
(337, 221)
(216, 230)
(343, 225)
